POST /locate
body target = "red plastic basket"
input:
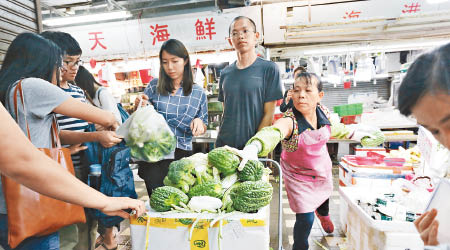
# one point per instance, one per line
(349, 119)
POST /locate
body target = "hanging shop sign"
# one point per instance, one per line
(364, 10)
(354, 21)
(142, 38)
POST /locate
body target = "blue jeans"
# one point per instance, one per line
(48, 242)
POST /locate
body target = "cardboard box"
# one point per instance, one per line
(171, 231)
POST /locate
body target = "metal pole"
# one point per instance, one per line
(280, 208)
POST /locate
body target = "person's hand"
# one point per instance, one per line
(116, 205)
(250, 152)
(74, 149)
(108, 138)
(141, 100)
(288, 96)
(427, 227)
(99, 127)
(197, 127)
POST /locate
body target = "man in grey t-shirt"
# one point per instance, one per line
(248, 88)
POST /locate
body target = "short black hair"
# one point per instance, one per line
(308, 77)
(300, 69)
(239, 18)
(65, 41)
(430, 73)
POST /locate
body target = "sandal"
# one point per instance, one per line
(99, 241)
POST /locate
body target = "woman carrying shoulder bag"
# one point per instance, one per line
(35, 63)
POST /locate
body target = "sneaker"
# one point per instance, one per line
(326, 223)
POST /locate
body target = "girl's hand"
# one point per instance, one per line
(141, 100)
(74, 149)
(116, 205)
(108, 138)
(197, 127)
(427, 227)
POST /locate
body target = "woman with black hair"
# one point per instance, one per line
(96, 94)
(425, 93)
(37, 62)
(99, 97)
(182, 103)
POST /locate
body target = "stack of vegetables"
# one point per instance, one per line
(212, 183)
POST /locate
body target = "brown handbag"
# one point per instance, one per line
(31, 213)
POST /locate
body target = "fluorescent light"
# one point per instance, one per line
(86, 18)
(436, 1)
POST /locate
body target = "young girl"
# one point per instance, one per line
(100, 97)
(37, 63)
(182, 103)
(306, 164)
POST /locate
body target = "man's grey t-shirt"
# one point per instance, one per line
(41, 97)
(244, 92)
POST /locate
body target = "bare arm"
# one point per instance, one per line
(269, 110)
(106, 138)
(74, 108)
(21, 161)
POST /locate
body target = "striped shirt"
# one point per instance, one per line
(73, 124)
(179, 110)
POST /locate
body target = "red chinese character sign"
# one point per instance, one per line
(97, 39)
(159, 33)
(413, 7)
(200, 29)
(352, 15)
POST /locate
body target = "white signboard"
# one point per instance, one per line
(131, 39)
(364, 10)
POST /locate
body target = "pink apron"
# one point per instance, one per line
(307, 171)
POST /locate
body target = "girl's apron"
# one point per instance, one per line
(307, 171)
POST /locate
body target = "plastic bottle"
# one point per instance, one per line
(95, 176)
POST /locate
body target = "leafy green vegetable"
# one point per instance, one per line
(373, 142)
(339, 131)
(212, 188)
(163, 198)
(180, 174)
(227, 203)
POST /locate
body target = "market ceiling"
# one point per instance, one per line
(153, 8)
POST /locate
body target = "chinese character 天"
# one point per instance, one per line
(97, 40)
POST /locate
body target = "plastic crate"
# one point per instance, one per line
(348, 119)
(349, 109)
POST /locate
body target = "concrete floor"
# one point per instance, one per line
(334, 241)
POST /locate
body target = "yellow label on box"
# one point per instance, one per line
(252, 223)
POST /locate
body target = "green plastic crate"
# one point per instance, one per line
(349, 109)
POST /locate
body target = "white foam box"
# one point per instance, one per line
(363, 232)
(242, 231)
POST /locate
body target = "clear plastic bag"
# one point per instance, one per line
(147, 134)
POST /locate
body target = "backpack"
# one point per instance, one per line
(116, 179)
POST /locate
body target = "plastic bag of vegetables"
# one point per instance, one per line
(147, 134)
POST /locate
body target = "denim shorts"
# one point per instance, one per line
(47, 242)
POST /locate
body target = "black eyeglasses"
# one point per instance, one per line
(76, 63)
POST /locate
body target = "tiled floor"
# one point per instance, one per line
(319, 240)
